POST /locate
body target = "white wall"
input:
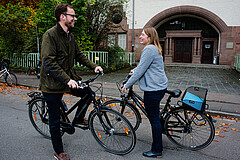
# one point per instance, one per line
(227, 10)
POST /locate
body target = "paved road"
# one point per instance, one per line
(19, 140)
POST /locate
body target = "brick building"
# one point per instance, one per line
(190, 31)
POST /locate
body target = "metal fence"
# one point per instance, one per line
(128, 57)
(237, 62)
(31, 59)
(25, 59)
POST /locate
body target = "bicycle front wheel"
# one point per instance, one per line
(112, 131)
(128, 110)
(189, 129)
(38, 114)
(11, 79)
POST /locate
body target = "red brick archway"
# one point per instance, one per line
(192, 10)
(201, 13)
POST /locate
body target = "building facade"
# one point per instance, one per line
(190, 31)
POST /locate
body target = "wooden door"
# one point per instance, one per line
(207, 52)
(183, 50)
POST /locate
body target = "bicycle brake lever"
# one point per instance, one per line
(81, 85)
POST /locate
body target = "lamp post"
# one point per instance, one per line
(133, 28)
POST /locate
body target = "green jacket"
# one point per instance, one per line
(58, 53)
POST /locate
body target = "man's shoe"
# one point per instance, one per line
(61, 156)
(152, 154)
(83, 123)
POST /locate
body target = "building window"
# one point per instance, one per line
(122, 41)
(111, 40)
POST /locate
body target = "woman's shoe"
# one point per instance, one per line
(152, 154)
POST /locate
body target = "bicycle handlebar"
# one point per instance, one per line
(82, 83)
(128, 76)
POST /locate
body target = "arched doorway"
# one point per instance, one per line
(187, 39)
(188, 34)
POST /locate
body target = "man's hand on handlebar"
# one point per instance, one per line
(98, 68)
(72, 84)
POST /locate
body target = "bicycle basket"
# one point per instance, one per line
(195, 97)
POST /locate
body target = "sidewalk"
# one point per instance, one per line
(222, 82)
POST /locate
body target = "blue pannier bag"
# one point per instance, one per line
(195, 97)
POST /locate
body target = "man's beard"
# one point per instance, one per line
(68, 24)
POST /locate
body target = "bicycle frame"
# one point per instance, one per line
(96, 104)
(87, 100)
(138, 99)
(4, 71)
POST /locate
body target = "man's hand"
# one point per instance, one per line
(98, 68)
(72, 84)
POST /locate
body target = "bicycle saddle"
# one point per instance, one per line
(174, 93)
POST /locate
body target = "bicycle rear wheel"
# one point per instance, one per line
(38, 114)
(128, 110)
(112, 131)
(189, 129)
(11, 79)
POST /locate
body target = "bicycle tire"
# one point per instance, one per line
(189, 129)
(117, 136)
(11, 79)
(130, 111)
(38, 114)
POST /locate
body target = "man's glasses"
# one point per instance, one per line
(74, 16)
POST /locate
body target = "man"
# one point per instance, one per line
(59, 49)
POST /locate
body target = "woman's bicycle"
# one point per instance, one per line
(186, 127)
(110, 129)
(9, 77)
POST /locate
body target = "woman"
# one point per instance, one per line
(153, 81)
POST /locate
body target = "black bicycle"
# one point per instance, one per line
(110, 128)
(186, 127)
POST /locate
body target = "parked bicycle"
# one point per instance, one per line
(185, 126)
(34, 70)
(110, 128)
(9, 77)
(4, 63)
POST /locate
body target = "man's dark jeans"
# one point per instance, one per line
(53, 101)
(151, 102)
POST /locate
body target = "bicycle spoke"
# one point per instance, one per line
(113, 132)
(189, 129)
(39, 117)
(129, 111)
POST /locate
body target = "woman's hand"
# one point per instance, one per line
(132, 71)
(124, 89)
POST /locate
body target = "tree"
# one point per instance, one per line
(98, 18)
(83, 38)
(17, 28)
(45, 16)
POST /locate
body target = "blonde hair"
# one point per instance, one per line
(154, 39)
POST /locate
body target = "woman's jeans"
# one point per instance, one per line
(53, 101)
(151, 102)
